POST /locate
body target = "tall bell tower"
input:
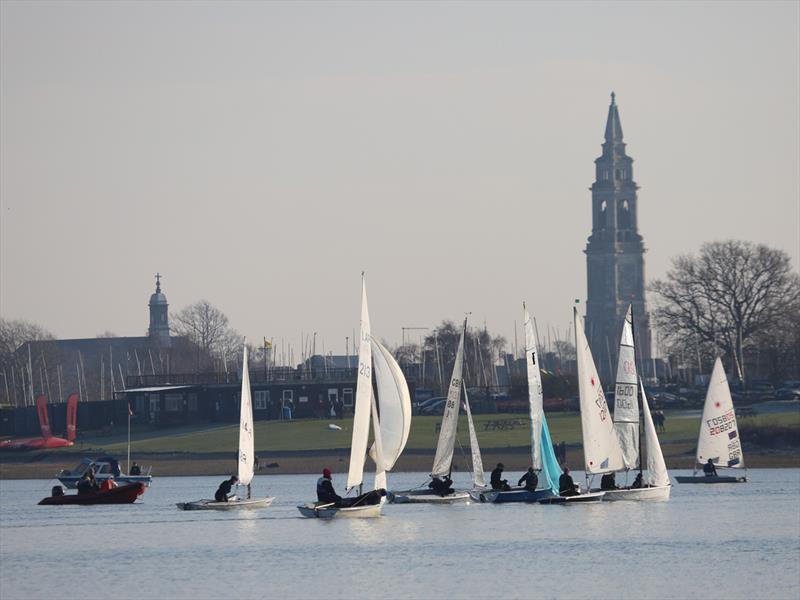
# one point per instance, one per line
(159, 315)
(615, 254)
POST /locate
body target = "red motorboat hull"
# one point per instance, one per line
(125, 494)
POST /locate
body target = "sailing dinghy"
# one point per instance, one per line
(391, 423)
(443, 460)
(543, 458)
(246, 457)
(719, 439)
(626, 425)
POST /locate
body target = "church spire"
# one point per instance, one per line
(613, 124)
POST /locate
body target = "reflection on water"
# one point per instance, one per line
(749, 532)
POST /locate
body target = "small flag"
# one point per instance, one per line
(267, 344)
(732, 435)
(130, 412)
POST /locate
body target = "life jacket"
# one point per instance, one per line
(323, 491)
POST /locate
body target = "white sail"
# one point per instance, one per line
(719, 434)
(377, 448)
(656, 467)
(246, 441)
(535, 397)
(358, 447)
(626, 404)
(477, 462)
(600, 446)
(393, 404)
(447, 434)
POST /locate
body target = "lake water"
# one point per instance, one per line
(720, 541)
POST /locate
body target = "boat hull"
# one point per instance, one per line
(579, 499)
(71, 481)
(125, 494)
(369, 511)
(520, 495)
(702, 479)
(428, 497)
(229, 505)
(656, 493)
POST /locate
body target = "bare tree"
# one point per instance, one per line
(725, 297)
(209, 329)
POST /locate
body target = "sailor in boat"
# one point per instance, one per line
(497, 483)
(327, 495)
(325, 492)
(87, 483)
(225, 488)
(709, 469)
(530, 479)
(135, 469)
(442, 487)
(608, 482)
(637, 483)
(567, 487)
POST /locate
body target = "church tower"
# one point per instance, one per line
(615, 255)
(159, 315)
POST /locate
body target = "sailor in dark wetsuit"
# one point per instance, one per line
(497, 483)
(608, 482)
(709, 469)
(637, 483)
(225, 488)
(442, 487)
(567, 487)
(86, 484)
(135, 469)
(325, 492)
(530, 479)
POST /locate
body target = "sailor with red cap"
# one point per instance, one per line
(325, 492)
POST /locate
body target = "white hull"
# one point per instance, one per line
(579, 499)
(355, 512)
(229, 505)
(659, 493)
(427, 497)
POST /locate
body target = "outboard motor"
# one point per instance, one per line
(57, 491)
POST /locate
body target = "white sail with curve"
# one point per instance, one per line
(626, 402)
(478, 477)
(719, 433)
(447, 434)
(535, 396)
(600, 446)
(657, 474)
(393, 404)
(363, 402)
(246, 440)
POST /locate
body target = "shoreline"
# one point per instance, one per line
(46, 465)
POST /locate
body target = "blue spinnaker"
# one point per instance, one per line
(550, 467)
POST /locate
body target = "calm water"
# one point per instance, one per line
(733, 541)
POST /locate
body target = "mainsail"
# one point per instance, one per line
(246, 442)
(600, 446)
(477, 462)
(535, 397)
(626, 404)
(719, 434)
(656, 467)
(358, 447)
(447, 435)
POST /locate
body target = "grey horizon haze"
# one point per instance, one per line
(261, 155)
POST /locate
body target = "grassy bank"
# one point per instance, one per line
(771, 440)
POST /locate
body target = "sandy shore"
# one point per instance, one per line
(43, 465)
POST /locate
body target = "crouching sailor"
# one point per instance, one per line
(225, 488)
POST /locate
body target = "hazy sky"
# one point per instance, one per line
(260, 155)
